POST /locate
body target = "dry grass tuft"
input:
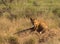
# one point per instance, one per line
(13, 40)
(30, 41)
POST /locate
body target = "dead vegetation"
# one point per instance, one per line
(44, 34)
(30, 41)
(29, 31)
(12, 40)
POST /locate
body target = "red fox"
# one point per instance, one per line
(41, 24)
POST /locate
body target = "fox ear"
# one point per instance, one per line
(32, 20)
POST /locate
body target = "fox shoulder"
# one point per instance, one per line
(43, 23)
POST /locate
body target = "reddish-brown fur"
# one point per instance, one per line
(40, 22)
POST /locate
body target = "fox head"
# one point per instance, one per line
(35, 23)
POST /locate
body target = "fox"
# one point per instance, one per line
(39, 24)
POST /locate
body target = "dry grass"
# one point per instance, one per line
(13, 19)
(13, 40)
(8, 28)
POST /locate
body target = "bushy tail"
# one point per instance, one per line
(25, 31)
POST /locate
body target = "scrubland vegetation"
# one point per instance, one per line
(14, 16)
